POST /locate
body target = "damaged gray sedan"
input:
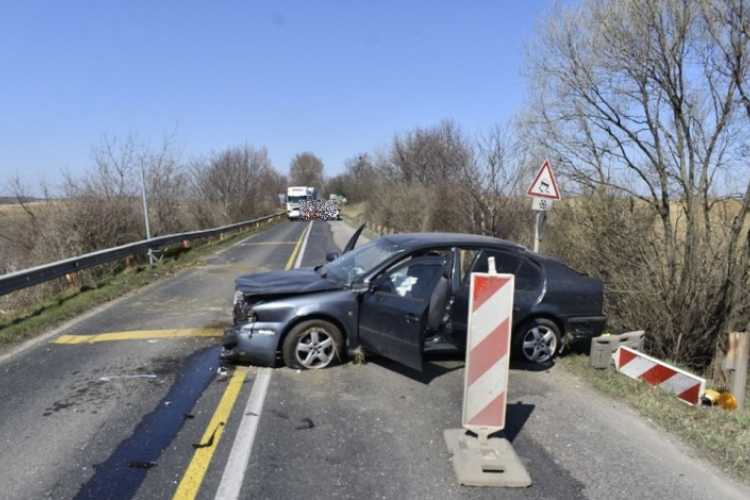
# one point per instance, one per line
(403, 295)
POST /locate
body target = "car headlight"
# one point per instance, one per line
(239, 297)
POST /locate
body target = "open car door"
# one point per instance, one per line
(353, 240)
(394, 314)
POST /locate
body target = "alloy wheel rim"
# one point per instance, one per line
(315, 349)
(539, 344)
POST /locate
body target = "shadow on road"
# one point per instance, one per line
(438, 364)
(435, 365)
(516, 416)
(530, 367)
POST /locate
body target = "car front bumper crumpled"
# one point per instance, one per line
(253, 342)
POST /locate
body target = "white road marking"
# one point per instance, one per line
(239, 456)
(304, 246)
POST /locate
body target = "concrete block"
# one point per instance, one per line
(604, 347)
(490, 463)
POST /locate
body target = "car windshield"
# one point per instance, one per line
(359, 262)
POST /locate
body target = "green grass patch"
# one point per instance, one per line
(721, 437)
(29, 322)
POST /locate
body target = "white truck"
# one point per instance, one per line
(296, 194)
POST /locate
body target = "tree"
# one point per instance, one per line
(493, 185)
(430, 156)
(358, 181)
(633, 101)
(233, 185)
(419, 180)
(306, 169)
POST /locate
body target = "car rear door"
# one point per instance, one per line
(393, 314)
(527, 291)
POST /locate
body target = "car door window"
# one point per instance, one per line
(467, 257)
(413, 279)
(528, 278)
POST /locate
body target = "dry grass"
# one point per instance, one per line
(16, 209)
(355, 210)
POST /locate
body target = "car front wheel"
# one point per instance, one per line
(313, 344)
(537, 341)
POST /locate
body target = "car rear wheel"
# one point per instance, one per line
(313, 344)
(537, 341)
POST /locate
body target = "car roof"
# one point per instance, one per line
(417, 240)
(423, 241)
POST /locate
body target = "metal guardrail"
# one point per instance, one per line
(18, 280)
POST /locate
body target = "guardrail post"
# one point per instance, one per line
(736, 364)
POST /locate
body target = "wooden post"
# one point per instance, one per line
(736, 364)
(185, 243)
(70, 279)
(128, 260)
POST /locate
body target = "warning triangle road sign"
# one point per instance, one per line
(544, 185)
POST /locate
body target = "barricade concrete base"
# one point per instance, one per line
(604, 347)
(493, 463)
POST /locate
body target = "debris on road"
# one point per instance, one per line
(141, 465)
(210, 441)
(307, 423)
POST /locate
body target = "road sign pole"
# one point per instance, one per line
(536, 232)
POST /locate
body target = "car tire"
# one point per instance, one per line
(312, 345)
(537, 341)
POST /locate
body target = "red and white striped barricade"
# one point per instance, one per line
(477, 458)
(686, 386)
(487, 353)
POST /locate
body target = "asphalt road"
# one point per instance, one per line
(130, 416)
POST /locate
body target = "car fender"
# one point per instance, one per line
(340, 308)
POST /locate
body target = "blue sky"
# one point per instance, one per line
(332, 77)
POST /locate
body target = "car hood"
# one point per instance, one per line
(292, 281)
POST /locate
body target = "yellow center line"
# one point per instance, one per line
(138, 335)
(191, 481)
(290, 263)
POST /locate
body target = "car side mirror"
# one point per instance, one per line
(360, 286)
(331, 256)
